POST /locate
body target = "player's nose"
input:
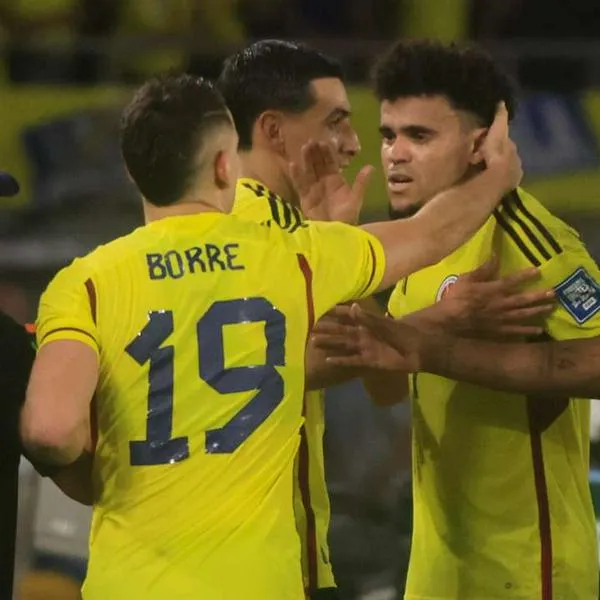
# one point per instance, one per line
(350, 145)
(399, 151)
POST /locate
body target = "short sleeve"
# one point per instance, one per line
(575, 278)
(347, 263)
(67, 308)
(396, 306)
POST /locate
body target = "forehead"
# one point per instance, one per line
(431, 111)
(329, 93)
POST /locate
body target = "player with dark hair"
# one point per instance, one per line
(281, 95)
(502, 506)
(194, 352)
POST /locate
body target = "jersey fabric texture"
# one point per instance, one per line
(255, 202)
(502, 506)
(199, 402)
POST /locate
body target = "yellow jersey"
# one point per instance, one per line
(199, 401)
(253, 201)
(502, 506)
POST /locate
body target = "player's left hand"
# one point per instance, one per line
(348, 344)
(324, 193)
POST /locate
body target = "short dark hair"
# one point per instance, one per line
(271, 74)
(465, 74)
(162, 131)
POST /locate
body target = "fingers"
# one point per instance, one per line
(382, 327)
(527, 314)
(520, 278)
(340, 344)
(362, 182)
(350, 360)
(498, 133)
(299, 180)
(519, 331)
(527, 299)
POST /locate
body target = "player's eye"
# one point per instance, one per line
(387, 134)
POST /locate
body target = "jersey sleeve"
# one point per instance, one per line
(396, 307)
(67, 308)
(346, 262)
(575, 278)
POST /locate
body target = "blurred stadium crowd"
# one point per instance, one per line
(65, 71)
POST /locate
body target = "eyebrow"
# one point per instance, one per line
(407, 130)
(338, 112)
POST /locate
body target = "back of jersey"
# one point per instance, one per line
(195, 445)
(200, 323)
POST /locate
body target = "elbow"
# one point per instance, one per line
(51, 441)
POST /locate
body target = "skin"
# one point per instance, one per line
(426, 146)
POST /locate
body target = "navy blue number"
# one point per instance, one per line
(263, 378)
(159, 447)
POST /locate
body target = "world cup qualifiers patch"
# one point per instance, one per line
(580, 295)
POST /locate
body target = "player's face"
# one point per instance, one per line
(327, 120)
(426, 146)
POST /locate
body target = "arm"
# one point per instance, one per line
(54, 423)
(570, 367)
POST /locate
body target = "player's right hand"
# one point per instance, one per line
(324, 193)
(500, 153)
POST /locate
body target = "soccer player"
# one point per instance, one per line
(502, 507)
(281, 95)
(194, 353)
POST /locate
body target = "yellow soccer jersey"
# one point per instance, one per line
(199, 401)
(253, 201)
(502, 506)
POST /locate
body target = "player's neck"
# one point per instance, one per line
(263, 167)
(179, 209)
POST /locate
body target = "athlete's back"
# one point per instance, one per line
(199, 401)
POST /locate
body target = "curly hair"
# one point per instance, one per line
(464, 74)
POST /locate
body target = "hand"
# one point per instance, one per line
(365, 343)
(500, 152)
(324, 193)
(481, 304)
(347, 344)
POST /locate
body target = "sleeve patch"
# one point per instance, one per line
(580, 295)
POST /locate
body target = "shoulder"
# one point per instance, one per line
(531, 230)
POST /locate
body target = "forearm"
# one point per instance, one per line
(75, 480)
(570, 368)
(439, 228)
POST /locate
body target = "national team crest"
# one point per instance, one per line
(445, 287)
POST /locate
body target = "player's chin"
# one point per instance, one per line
(401, 206)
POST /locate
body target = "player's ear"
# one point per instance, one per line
(477, 138)
(223, 171)
(270, 129)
